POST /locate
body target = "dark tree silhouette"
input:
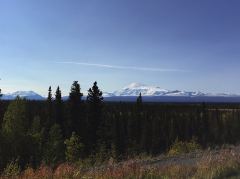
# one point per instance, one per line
(49, 121)
(49, 98)
(139, 99)
(75, 121)
(95, 125)
(58, 108)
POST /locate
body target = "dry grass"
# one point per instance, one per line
(224, 163)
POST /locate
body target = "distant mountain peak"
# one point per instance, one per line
(30, 95)
(23, 93)
(135, 85)
(134, 89)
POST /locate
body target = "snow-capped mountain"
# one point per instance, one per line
(134, 89)
(149, 93)
(30, 95)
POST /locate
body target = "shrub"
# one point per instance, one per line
(66, 171)
(180, 147)
(74, 148)
(12, 169)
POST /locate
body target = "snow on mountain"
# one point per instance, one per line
(106, 94)
(30, 95)
(134, 89)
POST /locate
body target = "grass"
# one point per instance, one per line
(223, 163)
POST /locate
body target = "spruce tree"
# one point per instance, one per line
(94, 95)
(58, 95)
(139, 99)
(74, 148)
(75, 120)
(75, 94)
(54, 151)
(95, 100)
(37, 134)
(15, 121)
(15, 129)
(49, 119)
(49, 98)
(58, 107)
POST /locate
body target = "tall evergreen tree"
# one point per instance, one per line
(15, 129)
(95, 96)
(37, 134)
(75, 121)
(59, 107)
(139, 99)
(54, 151)
(15, 120)
(49, 98)
(1, 110)
(49, 119)
(95, 100)
(58, 95)
(75, 94)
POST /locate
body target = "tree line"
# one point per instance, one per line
(55, 131)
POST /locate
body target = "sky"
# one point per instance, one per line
(185, 45)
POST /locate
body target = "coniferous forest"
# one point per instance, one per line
(54, 131)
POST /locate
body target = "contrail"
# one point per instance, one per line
(121, 67)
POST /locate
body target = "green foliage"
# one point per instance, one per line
(54, 153)
(15, 130)
(36, 133)
(109, 129)
(16, 121)
(180, 147)
(36, 125)
(74, 148)
(101, 155)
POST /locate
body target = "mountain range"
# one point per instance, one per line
(134, 89)
(149, 93)
(31, 95)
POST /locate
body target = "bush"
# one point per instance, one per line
(180, 147)
(12, 169)
(227, 172)
(74, 148)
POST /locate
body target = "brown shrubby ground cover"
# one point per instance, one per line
(222, 163)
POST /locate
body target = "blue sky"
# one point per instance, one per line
(185, 45)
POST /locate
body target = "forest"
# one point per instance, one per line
(55, 131)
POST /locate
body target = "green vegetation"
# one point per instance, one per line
(12, 169)
(223, 163)
(180, 147)
(74, 148)
(74, 137)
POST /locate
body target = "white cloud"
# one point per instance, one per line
(121, 67)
